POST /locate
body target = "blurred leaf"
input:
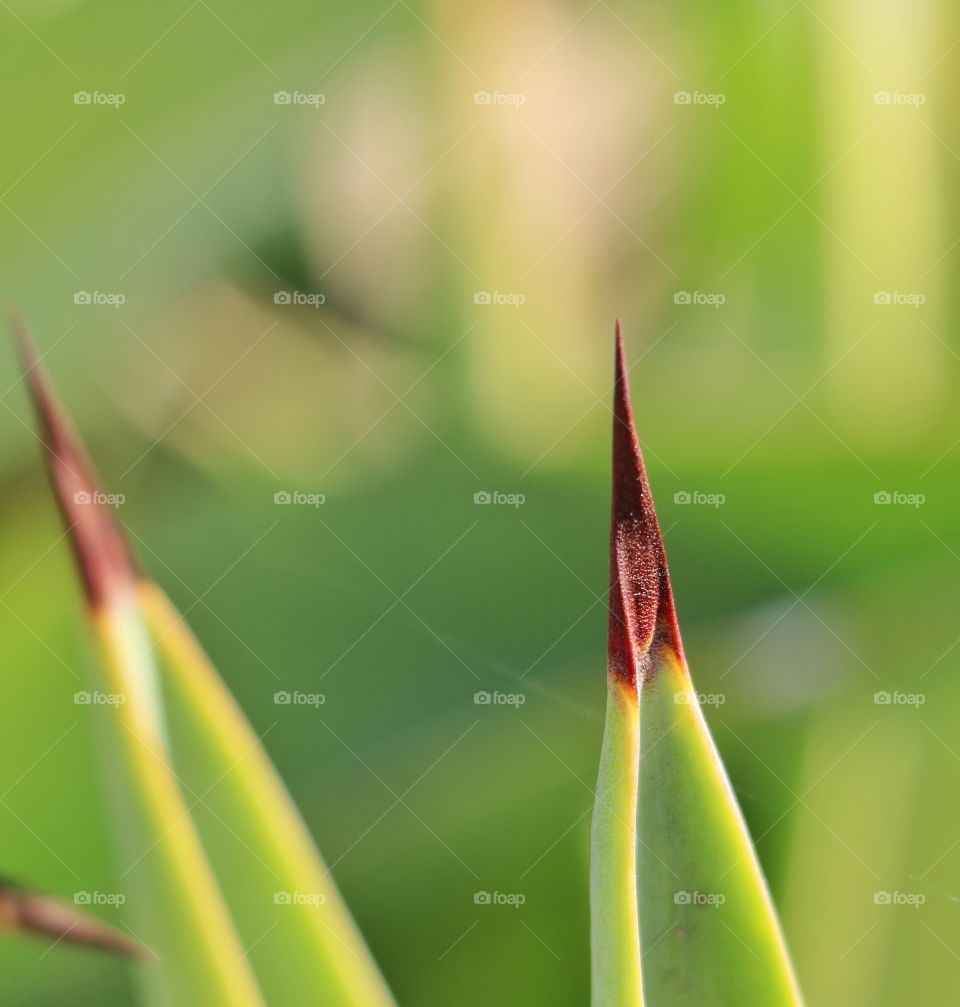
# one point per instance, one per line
(172, 892)
(293, 896)
(675, 880)
(182, 911)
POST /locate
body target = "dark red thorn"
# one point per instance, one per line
(643, 620)
(105, 561)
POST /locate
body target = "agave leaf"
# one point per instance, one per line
(173, 897)
(180, 907)
(293, 899)
(28, 912)
(675, 880)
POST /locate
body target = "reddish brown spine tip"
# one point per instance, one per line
(643, 620)
(99, 546)
(25, 912)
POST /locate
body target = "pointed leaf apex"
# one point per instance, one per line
(643, 620)
(105, 561)
(39, 915)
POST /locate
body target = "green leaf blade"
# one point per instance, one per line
(709, 929)
(615, 932)
(280, 891)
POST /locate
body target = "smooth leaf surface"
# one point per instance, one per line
(303, 942)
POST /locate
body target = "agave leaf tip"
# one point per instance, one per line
(29, 912)
(105, 561)
(643, 619)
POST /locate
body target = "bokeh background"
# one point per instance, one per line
(398, 290)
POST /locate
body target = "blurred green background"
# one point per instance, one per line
(766, 194)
